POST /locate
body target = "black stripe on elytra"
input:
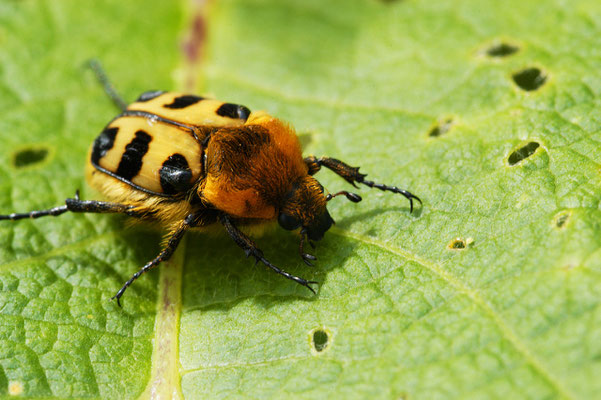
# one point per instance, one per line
(149, 95)
(236, 111)
(131, 160)
(175, 175)
(183, 101)
(103, 143)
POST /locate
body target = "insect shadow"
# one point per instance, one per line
(360, 216)
(217, 277)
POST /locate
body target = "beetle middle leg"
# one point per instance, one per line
(352, 176)
(250, 248)
(177, 235)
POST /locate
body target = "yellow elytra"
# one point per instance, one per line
(165, 155)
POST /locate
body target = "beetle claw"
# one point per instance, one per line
(307, 258)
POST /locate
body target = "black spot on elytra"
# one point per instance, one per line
(529, 79)
(183, 101)
(151, 94)
(522, 153)
(131, 160)
(236, 111)
(103, 143)
(30, 156)
(175, 175)
(501, 50)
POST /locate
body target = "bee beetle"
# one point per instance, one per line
(189, 162)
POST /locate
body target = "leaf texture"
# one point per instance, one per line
(488, 111)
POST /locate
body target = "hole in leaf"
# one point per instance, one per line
(29, 156)
(561, 219)
(501, 50)
(441, 128)
(320, 340)
(460, 244)
(529, 79)
(522, 153)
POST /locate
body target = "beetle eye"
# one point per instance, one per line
(288, 222)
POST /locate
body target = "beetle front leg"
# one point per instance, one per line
(352, 176)
(307, 258)
(250, 249)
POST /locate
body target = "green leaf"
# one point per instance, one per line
(60, 336)
(487, 110)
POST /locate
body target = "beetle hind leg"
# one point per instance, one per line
(75, 205)
(54, 212)
(108, 87)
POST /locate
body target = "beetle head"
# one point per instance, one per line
(304, 206)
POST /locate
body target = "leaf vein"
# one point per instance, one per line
(477, 298)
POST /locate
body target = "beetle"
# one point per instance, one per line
(190, 162)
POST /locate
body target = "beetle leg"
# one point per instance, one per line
(55, 211)
(313, 164)
(354, 197)
(408, 195)
(164, 255)
(249, 247)
(76, 205)
(307, 258)
(108, 87)
(94, 206)
(352, 176)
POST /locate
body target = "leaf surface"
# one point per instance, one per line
(486, 110)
